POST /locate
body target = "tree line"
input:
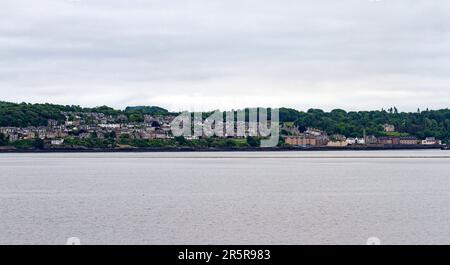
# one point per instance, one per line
(26, 114)
(427, 123)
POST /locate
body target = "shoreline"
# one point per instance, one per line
(246, 149)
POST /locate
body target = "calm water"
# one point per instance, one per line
(226, 198)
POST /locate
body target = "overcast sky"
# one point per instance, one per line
(207, 54)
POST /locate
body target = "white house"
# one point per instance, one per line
(431, 141)
(57, 142)
(350, 140)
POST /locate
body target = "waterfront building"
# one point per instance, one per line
(307, 140)
(337, 144)
(371, 139)
(409, 140)
(431, 141)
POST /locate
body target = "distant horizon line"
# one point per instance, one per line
(212, 109)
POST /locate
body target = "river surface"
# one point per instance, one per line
(400, 197)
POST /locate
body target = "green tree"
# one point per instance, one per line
(181, 140)
(253, 141)
(38, 143)
(3, 140)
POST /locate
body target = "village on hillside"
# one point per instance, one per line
(315, 137)
(88, 125)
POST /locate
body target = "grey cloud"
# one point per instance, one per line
(184, 54)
